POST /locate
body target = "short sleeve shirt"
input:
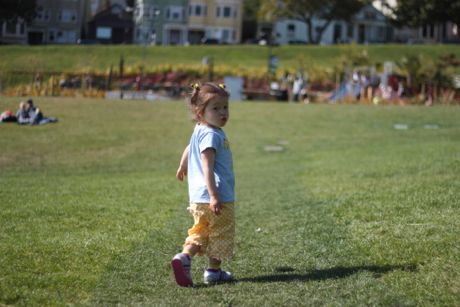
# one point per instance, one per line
(205, 137)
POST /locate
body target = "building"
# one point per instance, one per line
(447, 32)
(55, 22)
(215, 21)
(166, 22)
(13, 32)
(369, 25)
(161, 22)
(112, 25)
(179, 22)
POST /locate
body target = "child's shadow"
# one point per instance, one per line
(287, 274)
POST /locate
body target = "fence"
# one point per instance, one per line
(23, 83)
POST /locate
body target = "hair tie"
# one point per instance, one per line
(222, 86)
(196, 86)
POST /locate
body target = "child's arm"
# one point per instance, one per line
(183, 165)
(207, 159)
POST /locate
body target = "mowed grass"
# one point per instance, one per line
(352, 212)
(78, 58)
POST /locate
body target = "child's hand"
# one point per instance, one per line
(215, 205)
(181, 172)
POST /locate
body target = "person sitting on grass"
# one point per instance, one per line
(22, 116)
(29, 114)
(207, 161)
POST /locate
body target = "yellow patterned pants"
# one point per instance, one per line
(214, 234)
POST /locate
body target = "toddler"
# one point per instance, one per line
(207, 161)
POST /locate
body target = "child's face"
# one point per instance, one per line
(216, 112)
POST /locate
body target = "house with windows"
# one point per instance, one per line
(180, 22)
(160, 22)
(55, 22)
(166, 22)
(215, 21)
(13, 32)
(369, 25)
(111, 25)
(447, 33)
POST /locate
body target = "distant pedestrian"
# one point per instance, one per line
(297, 87)
(207, 161)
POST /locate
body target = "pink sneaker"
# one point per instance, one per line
(181, 265)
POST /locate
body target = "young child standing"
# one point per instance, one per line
(207, 161)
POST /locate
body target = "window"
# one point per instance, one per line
(153, 12)
(198, 10)
(66, 37)
(227, 11)
(174, 13)
(350, 30)
(39, 13)
(42, 14)
(370, 15)
(218, 11)
(67, 15)
(225, 35)
(10, 27)
(290, 30)
(51, 35)
(104, 32)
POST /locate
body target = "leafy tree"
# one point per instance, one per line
(308, 10)
(11, 10)
(250, 9)
(422, 12)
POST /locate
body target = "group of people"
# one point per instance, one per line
(27, 114)
(290, 88)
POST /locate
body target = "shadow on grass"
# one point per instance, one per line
(286, 273)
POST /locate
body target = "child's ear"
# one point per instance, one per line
(200, 114)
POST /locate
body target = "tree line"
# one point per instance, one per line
(411, 13)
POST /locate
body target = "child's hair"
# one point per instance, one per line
(202, 94)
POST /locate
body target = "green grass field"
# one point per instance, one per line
(353, 212)
(99, 58)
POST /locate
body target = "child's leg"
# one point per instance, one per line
(221, 240)
(214, 274)
(195, 244)
(191, 249)
(214, 263)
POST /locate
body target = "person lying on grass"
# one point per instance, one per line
(29, 114)
(208, 163)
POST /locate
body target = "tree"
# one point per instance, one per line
(11, 10)
(422, 12)
(250, 10)
(130, 3)
(308, 10)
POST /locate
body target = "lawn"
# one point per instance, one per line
(351, 212)
(99, 58)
